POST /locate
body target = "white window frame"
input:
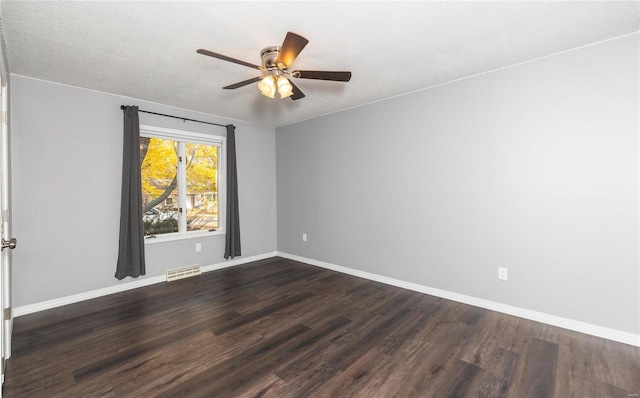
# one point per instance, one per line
(197, 138)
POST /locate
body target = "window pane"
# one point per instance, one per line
(202, 187)
(159, 166)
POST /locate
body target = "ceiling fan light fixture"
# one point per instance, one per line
(267, 87)
(284, 87)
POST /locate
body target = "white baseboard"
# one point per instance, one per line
(582, 327)
(134, 284)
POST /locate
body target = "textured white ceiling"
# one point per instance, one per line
(147, 50)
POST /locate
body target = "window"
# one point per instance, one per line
(181, 183)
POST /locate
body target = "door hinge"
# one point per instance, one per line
(7, 313)
(180, 159)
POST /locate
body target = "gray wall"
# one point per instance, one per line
(533, 167)
(66, 170)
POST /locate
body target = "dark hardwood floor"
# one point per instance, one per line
(278, 328)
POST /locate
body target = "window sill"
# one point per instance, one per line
(175, 237)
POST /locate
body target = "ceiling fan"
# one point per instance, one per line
(276, 61)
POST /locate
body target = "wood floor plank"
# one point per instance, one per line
(427, 361)
(279, 328)
(462, 380)
(540, 369)
(500, 373)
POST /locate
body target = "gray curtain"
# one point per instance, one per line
(232, 240)
(131, 248)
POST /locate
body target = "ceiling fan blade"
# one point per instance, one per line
(297, 94)
(225, 58)
(322, 75)
(291, 47)
(243, 83)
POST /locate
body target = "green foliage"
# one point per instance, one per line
(155, 227)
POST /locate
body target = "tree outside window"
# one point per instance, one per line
(179, 186)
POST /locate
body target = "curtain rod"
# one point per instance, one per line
(178, 117)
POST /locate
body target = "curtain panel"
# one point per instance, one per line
(131, 245)
(232, 237)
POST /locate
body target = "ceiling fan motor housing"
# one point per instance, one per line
(269, 56)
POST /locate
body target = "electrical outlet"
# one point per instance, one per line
(198, 247)
(304, 237)
(503, 273)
